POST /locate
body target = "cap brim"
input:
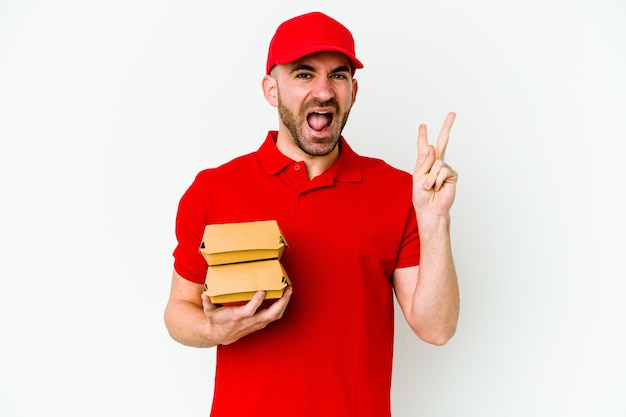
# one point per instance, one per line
(301, 53)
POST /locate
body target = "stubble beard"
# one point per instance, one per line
(317, 145)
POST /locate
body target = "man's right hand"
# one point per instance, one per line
(193, 320)
(228, 324)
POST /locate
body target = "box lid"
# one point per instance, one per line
(242, 242)
(246, 279)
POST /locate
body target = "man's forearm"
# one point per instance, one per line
(436, 303)
(184, 322)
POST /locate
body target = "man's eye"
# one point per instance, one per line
(303, 75)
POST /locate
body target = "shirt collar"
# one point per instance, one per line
(346, 168)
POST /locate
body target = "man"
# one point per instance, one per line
(325, 348)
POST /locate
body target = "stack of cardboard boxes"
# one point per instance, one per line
(243, 258)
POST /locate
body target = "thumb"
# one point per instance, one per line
(207, 305)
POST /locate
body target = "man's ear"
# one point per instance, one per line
(270, 90)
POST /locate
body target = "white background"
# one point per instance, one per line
(109, 109)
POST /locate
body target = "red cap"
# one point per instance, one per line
(307, 34)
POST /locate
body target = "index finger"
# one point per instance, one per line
(444, 135)
(422, 140)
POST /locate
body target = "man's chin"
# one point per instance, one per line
(319, 148)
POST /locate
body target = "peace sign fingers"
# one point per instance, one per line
(434, 181)
(427, 154)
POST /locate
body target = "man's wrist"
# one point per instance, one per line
(433, 225)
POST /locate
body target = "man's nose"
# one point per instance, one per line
(322, 89)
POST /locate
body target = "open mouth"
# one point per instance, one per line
(319, 121)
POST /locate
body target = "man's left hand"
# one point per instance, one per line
(434, 181)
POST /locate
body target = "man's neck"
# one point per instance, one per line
(315, 165)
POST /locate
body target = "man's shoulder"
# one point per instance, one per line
(379, 166)
(371, 166)
(234, 165)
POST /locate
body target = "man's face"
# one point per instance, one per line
(315, 95)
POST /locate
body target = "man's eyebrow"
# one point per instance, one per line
(342, 68)
(305, 67)
(302, 67)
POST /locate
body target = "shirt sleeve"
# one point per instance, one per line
(410, 249)
(190, 222)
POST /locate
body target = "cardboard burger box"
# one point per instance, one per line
(243, 258)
